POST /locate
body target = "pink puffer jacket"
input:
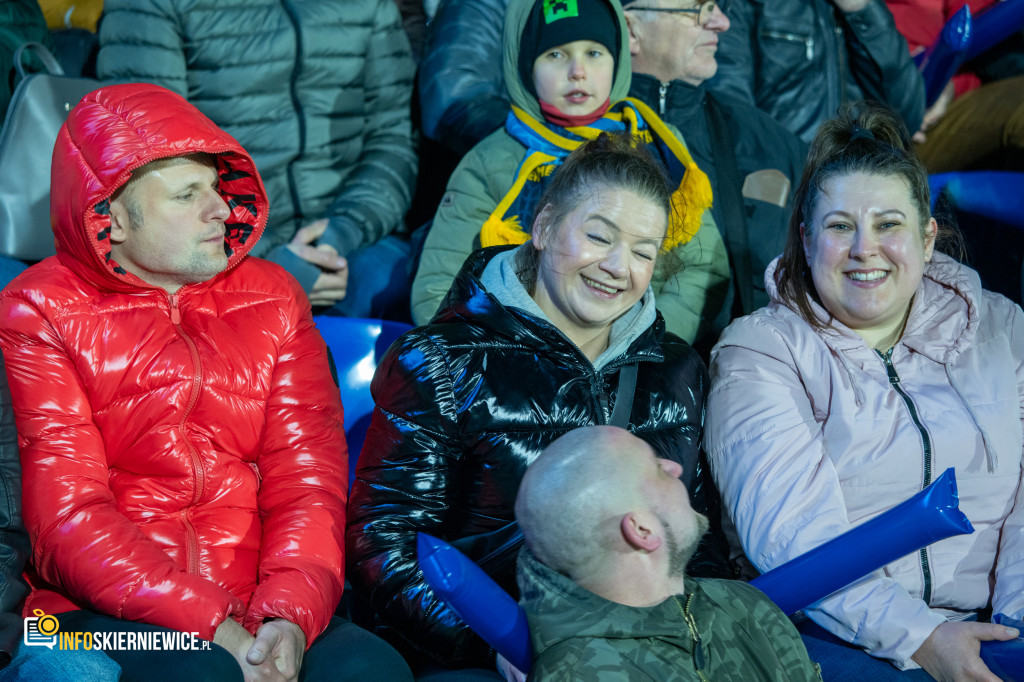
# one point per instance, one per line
(183, 456)
(808, 437)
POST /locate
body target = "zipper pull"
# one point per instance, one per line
(809, 45)
(175, 312)
(890, 371)
(662, 93)
(698, 652)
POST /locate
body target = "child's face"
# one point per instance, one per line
(575, 78)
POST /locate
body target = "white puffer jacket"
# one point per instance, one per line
(808, 437)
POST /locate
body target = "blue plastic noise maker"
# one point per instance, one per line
(478, 600)
(942, 59)
(927, 517)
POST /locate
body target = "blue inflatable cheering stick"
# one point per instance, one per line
(927, 517)
(1005, 659)
(941, 60)
(477, 599)
(995, 24)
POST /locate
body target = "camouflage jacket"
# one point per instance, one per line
(720, 631)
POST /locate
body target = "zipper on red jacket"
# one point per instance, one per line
(191, 539)
(926, 442)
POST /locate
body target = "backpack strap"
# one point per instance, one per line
(45, 56)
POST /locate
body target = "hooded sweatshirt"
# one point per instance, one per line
(718, 630)
(500, 277)
(183, 454)
(811, 433)
(687, 300)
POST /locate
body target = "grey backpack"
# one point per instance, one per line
(39, 105)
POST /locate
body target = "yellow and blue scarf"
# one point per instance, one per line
(547, 146)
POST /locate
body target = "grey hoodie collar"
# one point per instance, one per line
(499, 279)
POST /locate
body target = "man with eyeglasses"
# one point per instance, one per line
(752, 161)
(799, 60)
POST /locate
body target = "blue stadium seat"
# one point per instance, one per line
(989, 208)
(357, 345)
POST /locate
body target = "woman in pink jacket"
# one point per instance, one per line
(879, 363)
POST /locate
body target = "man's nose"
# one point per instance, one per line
(216, 207)
(671, 467)
(718, 21)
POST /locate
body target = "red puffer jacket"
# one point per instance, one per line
(183, 456)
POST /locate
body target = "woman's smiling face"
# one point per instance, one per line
(598, 261)
(867, 248)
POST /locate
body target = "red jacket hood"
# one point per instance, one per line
(112, 132)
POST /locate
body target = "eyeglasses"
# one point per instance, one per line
(703, 11)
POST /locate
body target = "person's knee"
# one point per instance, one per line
(41, 663)
(348, 652)
(216, 664)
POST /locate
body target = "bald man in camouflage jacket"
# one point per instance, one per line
(609, 530)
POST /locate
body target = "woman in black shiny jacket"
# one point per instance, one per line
(465, 403)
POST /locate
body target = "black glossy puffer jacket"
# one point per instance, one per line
(464, 404)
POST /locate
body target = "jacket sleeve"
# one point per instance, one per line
(304, 477)
(462, 92)
(473, 192)
(881, 64)
(81, 543)
(14, 546)
(1008, 597)
(140, 41)
(691, 298)
(408, 474)
(735, 56)
(780, 488)
(378, 191)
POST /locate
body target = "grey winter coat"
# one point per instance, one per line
(316, 91)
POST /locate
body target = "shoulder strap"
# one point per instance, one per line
(48, 60)
(624, 396)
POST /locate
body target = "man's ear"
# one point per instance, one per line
(640, 532)
(118, 221)
(634, 37)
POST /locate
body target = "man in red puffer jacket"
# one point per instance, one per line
(184, 461)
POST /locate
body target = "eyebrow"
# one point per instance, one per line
(612, 225)
(197, 184)
(844, 214)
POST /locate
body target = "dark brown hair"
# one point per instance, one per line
(864, 137)
(609, 162)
